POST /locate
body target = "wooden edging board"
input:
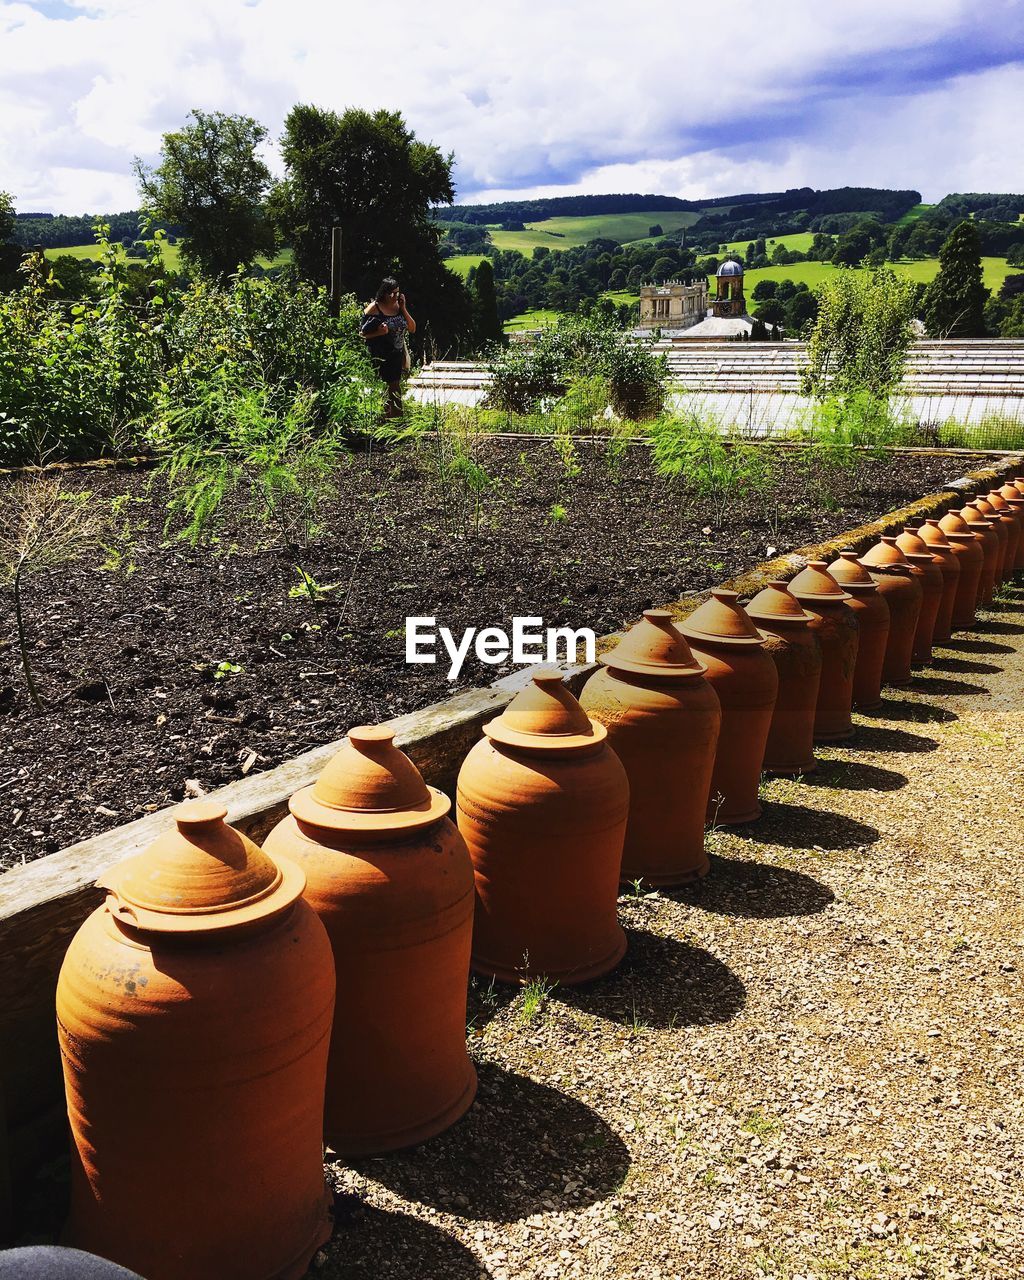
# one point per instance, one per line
(43, 903)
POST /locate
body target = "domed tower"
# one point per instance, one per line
(728, 299)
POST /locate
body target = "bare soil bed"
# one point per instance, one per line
(128, 663)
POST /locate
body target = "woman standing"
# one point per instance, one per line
(384, 327)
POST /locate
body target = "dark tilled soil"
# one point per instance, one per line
(127, 663)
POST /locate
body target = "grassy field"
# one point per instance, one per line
(913, 213)
(799, 240)
(462, 263)
(539, 319)
(994, 271)
(567, 233)
(171, 255)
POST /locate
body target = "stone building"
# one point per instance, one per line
(728, 299)
(673, 305)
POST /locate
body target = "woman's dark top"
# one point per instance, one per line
(389, 349)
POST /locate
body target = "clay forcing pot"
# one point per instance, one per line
(836, 626)
(1007, 503)
(744, 676)
(663, 720)
(990, 546)
(1000, 527)
(542, 804)
(949, 566)
(903, 594)
(193, 1014)
(389, 875)
(924, 561)
(995, 506)
(873, 628)
(1014, 498)
(967, 548)
(793, 646)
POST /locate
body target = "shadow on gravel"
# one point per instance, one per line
(971, 645)
(968, 666)
(523, 1147)
(945, 685)
(851, 775)
(794, 826)
(663, 983)
(870, 737)
(916, 712)
(369, 1243)
(994, 627)
(755, 890)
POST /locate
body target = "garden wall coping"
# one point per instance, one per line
(43, 903)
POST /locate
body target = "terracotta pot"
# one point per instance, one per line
(966, 546)
(796, 651)
(925, 563)
(1001, 528)
(873, 628)
(990, 549)
(1014, 503)
(663, 720)
(193, 1013)
(542, 803)
(949, 566)
(994, 505)
(747, 683)
(390, 877)
(836, 626)
(903, 594)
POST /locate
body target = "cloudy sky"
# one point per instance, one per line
(678, 98)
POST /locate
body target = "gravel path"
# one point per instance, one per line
(808, 1067)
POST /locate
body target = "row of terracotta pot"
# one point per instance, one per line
(200, 1022)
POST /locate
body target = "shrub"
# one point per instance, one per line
(579, 347)
(75, 378)
(697, 453)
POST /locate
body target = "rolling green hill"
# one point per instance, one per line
(171, 255)
(567, 233)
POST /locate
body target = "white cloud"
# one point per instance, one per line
(566, 97)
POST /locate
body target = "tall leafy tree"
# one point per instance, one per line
(7, 220)
(954, 306)
(367, 172)
(485, 305)
(211, 180)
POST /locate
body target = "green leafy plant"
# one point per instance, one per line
(224, 670)
(534, 999)
(695, 453)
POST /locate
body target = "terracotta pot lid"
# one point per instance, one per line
(201, 876)
(886, 557)
(721, 620)
(932, 535)
(815, 585)
(994, 498)
(911, 543)
(953, 522)
(777, 604)
(973, 515)
(851, 574)
(546, 717)
(654, 647)
(370, 785)
(1009, 493)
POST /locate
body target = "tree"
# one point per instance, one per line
(861, 336)
(485, 305)
(954, 305)
(7, 219)
(655, 229)
(368, 173)
(211, 181)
